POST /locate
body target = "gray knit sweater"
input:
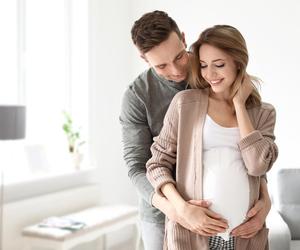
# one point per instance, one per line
(144, 106)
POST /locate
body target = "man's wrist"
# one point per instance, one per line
(265, 199)
(151, 199)
(264, 194)
(160, 203)
(156, 200)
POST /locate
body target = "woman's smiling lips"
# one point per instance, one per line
(215, 82)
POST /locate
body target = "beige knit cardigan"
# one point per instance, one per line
(179, 145)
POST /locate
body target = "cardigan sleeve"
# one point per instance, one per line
(258, 149)
(160, 167)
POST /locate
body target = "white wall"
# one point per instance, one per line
(271, 29)
(272, 34)
(110, 71)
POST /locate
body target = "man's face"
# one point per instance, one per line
(170, 59)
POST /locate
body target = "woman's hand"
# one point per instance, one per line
(173, 215)
(202, 220)
(245, 89)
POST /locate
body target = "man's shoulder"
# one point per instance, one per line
(143, 80)
(190, 96)
(137, 92)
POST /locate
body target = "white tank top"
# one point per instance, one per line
(225, 180)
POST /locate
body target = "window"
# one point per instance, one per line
(45, 52)
(8, 52)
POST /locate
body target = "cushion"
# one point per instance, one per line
(295, 244)
(279, 233)
(288, 199)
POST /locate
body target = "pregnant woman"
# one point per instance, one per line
(220, 138)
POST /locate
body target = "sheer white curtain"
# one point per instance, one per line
(45, 52)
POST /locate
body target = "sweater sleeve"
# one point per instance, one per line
(164, 149)
(137, 139)
(258, 149)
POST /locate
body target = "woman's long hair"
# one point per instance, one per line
(231, 41)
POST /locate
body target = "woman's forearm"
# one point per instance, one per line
(170, 191)
(244, 122)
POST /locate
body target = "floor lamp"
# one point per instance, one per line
(12, 127)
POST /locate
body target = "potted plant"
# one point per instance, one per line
(74, 140)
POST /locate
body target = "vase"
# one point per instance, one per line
(77, 159)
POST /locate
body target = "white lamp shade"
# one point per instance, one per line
(12, 122)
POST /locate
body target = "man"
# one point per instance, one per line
(163, 47)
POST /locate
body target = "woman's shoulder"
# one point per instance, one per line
(263, 107)
(267, 106)
(190, 96)
(264, 111)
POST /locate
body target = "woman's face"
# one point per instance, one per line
(217, 68)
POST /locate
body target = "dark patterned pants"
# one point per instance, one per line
(218, 243)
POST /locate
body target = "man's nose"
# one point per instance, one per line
(175, 70)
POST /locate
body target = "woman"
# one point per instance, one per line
(221, 138)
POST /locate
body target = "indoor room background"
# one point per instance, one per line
(271, 30)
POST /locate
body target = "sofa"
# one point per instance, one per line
(283, 220)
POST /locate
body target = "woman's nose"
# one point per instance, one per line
(211, 73)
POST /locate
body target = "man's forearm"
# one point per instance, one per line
(142, 185)
(264, 194)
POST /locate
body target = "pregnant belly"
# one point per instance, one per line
(226, 185)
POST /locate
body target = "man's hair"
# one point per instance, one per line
(152, 29)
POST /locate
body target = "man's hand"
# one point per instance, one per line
(257, 216)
